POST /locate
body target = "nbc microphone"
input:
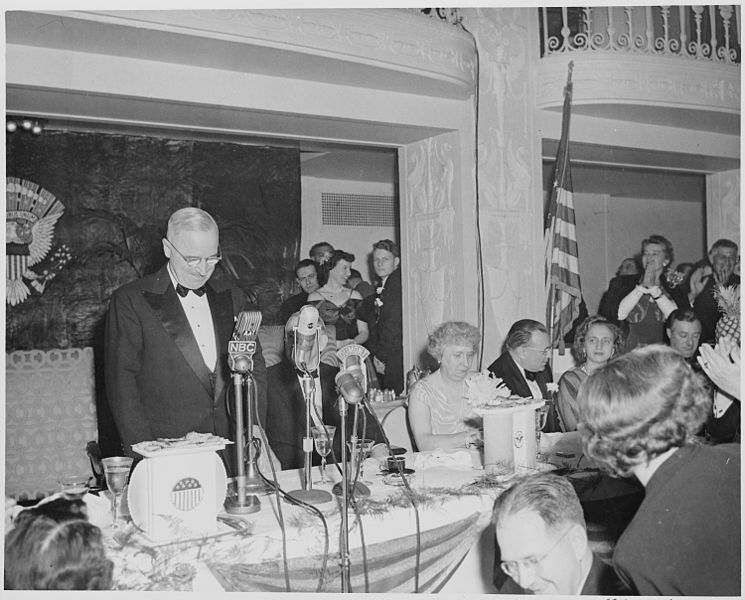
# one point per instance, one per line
(242, 347)
(306, 354)
(348, 387)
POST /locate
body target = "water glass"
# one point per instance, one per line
(323, 437)
(116, 471)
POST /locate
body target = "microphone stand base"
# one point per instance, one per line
(250, 504)
(311, 496)
(358, 489)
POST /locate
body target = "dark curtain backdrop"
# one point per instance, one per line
(118, 192)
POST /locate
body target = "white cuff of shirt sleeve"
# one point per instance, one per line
(629, 302)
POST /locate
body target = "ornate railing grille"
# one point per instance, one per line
(710, 32)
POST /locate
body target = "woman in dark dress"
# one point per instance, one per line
(338, 304)
(641, 304)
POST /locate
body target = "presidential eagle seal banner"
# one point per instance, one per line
(31, 214)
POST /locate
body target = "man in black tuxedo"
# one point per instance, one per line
(285, 426)
(166, 342)
(306, 274)
(523, 366)
(384, 316)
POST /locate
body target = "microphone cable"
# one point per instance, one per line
(409, 494)
(280, 518)
(355, 508)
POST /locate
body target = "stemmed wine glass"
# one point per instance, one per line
(541, 416)
(323, 437)
(359, 452)
(116, 470)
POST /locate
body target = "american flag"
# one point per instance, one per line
(562, 259)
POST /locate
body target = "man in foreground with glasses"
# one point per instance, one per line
(167, 334)
(541, 532)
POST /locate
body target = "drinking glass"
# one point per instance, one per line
(75, 486)
(323, 437)
(116, 470)
(541, 415)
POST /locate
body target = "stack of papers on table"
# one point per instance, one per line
(191, 442)
(445, 458)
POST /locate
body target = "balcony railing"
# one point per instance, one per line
(710, 32)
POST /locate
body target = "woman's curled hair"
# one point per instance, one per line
(452, 333)
(49, 550)
(640, 405)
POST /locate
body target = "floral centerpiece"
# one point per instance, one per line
(485, 389)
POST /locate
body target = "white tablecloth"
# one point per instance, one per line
(454, 503)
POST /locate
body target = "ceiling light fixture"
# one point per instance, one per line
(33, 126)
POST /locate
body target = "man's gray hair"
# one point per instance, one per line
(190, 219)
(549, 496)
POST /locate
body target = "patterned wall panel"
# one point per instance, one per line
(510, 190)
(431, 241)
(50, 415)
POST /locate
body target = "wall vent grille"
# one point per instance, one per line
(358, 210)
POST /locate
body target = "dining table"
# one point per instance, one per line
(430, 536)
(433, 535)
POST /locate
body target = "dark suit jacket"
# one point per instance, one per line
(286, 415)
(705, 307)
(602, 580)
(285, 420)
(156, 381)
(386, 331)
(507, 370)
(290, 306)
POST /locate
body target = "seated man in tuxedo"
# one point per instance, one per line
(285, 426)
(286, 421)
(523, 366)
(541, 531)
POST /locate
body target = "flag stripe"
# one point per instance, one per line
(564, 293)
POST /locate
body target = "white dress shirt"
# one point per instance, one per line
(197, 309)
(535, 389)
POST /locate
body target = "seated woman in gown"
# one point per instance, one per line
(643, 303)
(439, 414)
(596, 342)
(338, 305)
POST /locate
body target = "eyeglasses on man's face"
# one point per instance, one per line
(512, 567)
(195, 261)
(544, 351)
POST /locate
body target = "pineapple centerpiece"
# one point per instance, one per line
(728, 301)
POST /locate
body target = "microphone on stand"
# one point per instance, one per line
(352, 393)
(241, 350)
(306, 356)
(349, 387)
(242, 347)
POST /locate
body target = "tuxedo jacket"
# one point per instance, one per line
(290, 306)
(285, 419)
(507, 370)
(386, 331)
(156, 381)
(286, 415)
